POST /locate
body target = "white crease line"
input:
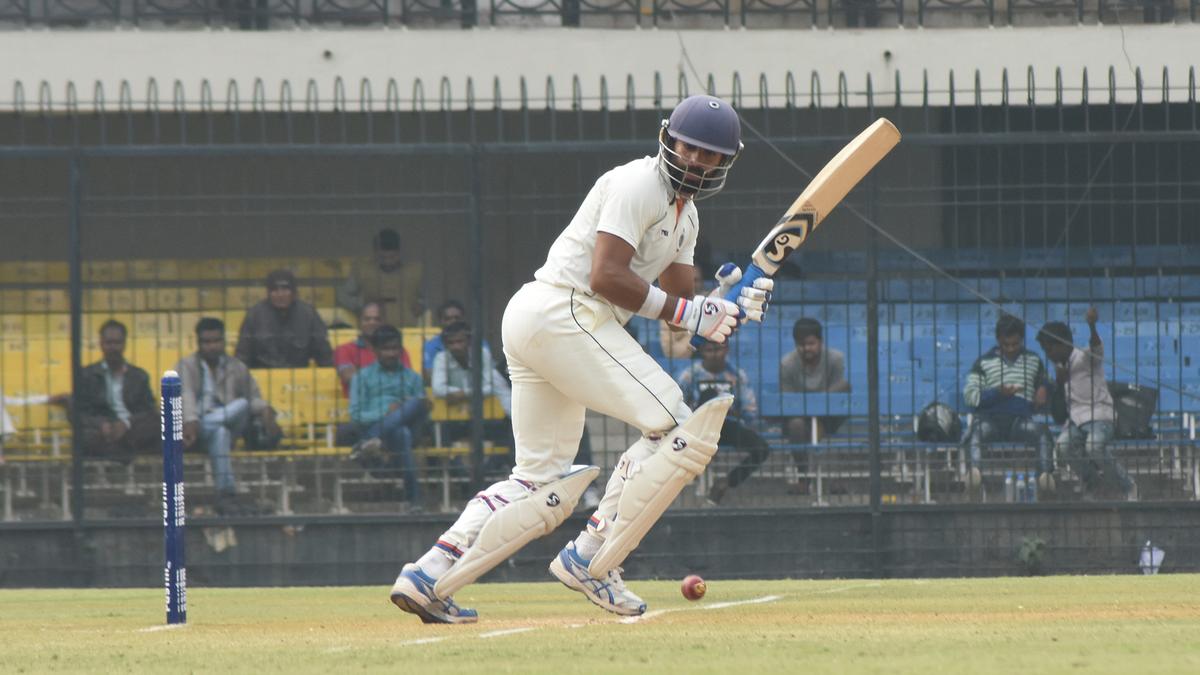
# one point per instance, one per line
(422, 641)
(846, 588)
(509, 631)
(155, 629)
(719, 605)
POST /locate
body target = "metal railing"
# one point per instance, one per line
(1038, 206)
(272, 14)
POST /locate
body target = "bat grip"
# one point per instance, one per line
(753, 273)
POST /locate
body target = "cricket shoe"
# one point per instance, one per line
(608, 593)
(413, 593)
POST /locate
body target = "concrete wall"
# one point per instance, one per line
(293, 58)
(722, 544)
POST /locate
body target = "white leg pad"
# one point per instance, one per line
(534, 515)
(654, 482)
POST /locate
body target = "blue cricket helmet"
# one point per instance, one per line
(705, 122)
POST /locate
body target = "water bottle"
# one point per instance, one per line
(1009, 487)
(1021, 486)
(1031, 489)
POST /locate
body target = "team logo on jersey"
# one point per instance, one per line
(678, 444)
(553, 499)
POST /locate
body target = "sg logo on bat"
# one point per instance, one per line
(788, 239)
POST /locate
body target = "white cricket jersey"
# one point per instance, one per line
(634, 202)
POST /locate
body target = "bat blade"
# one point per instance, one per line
(827, 189)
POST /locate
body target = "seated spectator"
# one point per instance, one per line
(283, 331)
(811, 367)
(709, 377)
(1004, 388)
(387, 411)
(118, 416)
(355, 355)
(1084, 441)
(449, 312)
(452, 381)
(219, 397)
(385, 278)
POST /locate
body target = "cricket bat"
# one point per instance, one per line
(827, 189)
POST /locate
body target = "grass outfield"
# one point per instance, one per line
(1120, 624)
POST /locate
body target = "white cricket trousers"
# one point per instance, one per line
(568, 353)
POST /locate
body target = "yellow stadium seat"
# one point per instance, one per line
(444, 412)
(47, 300)
(243, 297)
(328, 268)
(191, 270)
(182, 298)
(105, 271)
(414, 343)
(159, 269)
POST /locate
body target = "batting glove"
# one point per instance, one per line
(713, 319)
(753, 298)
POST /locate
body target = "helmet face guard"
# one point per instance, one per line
(704, 122)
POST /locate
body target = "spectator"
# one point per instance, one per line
(283, 331)
(1084, 441)
(709, 377)
(1004, 388)
(355, 355)
(449, 312)
(812, 367)
(219, 398)
(118, 415)
(452, 381)
(385, 279)
(387, 410)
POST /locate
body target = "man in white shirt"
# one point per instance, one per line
(568, 352)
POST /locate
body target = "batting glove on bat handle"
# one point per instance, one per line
(753, 274)
(752, 297)
(712, 319)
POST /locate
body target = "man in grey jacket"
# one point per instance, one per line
(219, 396)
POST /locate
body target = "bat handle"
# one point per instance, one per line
(753, 273)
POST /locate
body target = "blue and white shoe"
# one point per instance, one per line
(413, 593)
(608, 593)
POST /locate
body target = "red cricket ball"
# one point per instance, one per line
(693, 587)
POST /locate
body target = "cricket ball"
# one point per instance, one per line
(693, 587)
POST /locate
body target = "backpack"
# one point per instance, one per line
(938, 423)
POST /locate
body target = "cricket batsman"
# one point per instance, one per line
(568, 352)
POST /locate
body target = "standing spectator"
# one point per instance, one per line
(353, 356)
(1004, 389)
(219, 397)
(387, 410)
(1084, 441)
(712, 376)
(117, 412)
(387, 279)
(283, 331)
